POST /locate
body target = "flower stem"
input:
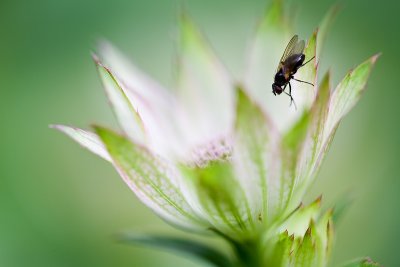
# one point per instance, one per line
(248, 253)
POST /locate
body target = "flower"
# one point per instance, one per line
(224, 156)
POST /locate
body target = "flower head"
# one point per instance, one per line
(234, 158)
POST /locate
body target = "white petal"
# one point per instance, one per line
(309, 158)
(156, 106)
(127, 116)
(85, 138)
(217, 196)
(254, 157)
(265, 51)
(152, 179)
(205, 88)
(347, 94)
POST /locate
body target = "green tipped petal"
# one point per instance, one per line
(203, 85)
(86, 139)
(346, 95)
(303, 93)
(155, 106)
(304, 252)
(265, 51)
(304, 239)
(253, 154)
(221, 199)
(290, 148)
(126, 114)
(153, 180)
(299, 221)
(311, 153)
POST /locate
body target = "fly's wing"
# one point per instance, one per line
(288, 51)
(294, 47)
(299, 48)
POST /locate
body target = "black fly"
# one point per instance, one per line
(292, 59)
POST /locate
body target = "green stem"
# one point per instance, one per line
(248, 253)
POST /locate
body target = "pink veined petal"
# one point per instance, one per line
(128, 118)
(152, 179)
(264, 53)
(254, 157)
(156, 106)
(326, 114)
(86, 139)
(347, 94)
(308, 160)
(205, 88)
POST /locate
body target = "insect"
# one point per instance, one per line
(292, 60)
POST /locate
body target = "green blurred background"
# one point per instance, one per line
(60, 205)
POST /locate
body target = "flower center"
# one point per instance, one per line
(215, 150)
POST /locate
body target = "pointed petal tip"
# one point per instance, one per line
(319, 199)
(334, 11)
(99, 64)
(102, 131)
(86, 139)
(375, 57)
(95, 58)
(62, 128)
(54, 126)
(99, 129)
(286, 232)
(308, 232)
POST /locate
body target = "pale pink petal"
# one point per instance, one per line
(205, 88)
(85, 138)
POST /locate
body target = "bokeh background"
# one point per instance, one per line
(60, 205)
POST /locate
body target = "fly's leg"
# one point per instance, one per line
(300, 67)
(302, 81)
(291, 97)
(307, 61)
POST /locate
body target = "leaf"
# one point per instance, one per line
(205, 87)
(346, 95)
(86, 139)
(253, 154)
(128, 118)
(152, 179)
(366, 262)
(190, 248)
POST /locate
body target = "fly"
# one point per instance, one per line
(292, 60)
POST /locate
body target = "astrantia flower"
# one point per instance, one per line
(233, 159)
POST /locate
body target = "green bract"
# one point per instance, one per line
(228, 158)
